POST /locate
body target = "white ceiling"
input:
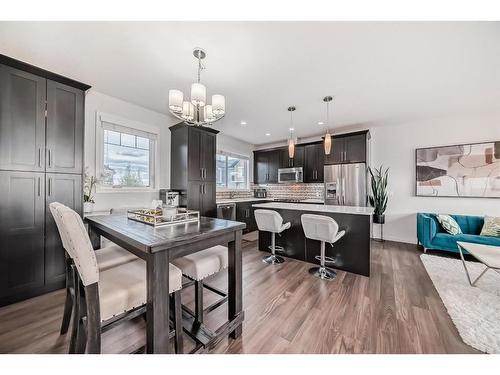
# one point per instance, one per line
(380, 73)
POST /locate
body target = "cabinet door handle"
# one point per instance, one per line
(204, 173)
(50, 158)
(39, 157)
(204, 189)
(50, 187)
(38, 186)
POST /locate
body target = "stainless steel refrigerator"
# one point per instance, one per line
(345, 184)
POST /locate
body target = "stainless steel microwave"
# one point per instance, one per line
(290, 175)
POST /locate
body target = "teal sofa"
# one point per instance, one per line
(431, 235)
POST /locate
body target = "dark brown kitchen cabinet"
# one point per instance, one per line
(22, 121)
(65, 189)
(201, 197)
(41, 143)
(266, 165)
(201, 155)
(348, 148)
(314, 163)
(193, 170)
(22, 222)
(64, 144)
(245, 213)
(295, 162)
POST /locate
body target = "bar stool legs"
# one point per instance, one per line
(273, 258)
(322, 272)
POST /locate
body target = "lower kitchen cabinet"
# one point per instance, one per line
(65, 189)
(245, 214)
(21, 234)
(201, 197)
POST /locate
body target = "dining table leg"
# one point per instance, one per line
(235, 282)
(158, 303)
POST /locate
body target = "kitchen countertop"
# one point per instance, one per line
(316, 208)
(236, 200)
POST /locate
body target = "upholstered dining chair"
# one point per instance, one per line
(105, 298)
(107, 257)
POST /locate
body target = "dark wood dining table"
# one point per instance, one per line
(160, 245)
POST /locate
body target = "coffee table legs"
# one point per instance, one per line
(472, 283)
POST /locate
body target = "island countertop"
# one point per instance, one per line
(316, 208)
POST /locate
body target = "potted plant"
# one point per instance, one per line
(88, 197)
(378, 199)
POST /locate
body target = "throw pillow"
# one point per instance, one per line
(449, 224)
(491, 226)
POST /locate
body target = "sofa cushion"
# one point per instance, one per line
(469, 224)
(449, 224)
(491, 226)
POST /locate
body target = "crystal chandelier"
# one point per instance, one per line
(197, 111)
(328, 136)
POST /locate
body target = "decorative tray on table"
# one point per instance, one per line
(158, 217)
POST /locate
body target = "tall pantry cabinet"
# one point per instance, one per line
(41, 161)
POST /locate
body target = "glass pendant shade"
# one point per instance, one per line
(291, 148)
(187, 111)
(218, 105)
(208, 114)
(198, 94)
(175, 99)
(328, 144)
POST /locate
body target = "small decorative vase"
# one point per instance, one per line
(88, 207)
(379, 219)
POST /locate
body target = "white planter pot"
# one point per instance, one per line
(88, 207)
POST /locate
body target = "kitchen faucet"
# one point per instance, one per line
(232, 194)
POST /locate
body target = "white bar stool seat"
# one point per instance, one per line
(271, 221)
(325, 229)
(202, 264)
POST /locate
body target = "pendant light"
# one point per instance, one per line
(291, 142)
(328, 136)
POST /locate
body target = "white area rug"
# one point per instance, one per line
(475, 311)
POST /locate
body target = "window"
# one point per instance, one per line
(232, 171)
(125, 155)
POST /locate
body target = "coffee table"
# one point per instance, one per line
(486, 254)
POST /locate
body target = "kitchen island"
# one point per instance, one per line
(351, 253)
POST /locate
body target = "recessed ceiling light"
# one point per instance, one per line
(321, 123)
(243, 123)
(268, 134)
(292, 129)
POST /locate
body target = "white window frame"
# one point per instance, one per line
(106, 121)
(239, 156)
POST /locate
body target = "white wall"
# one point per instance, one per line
(394, 147)
(97, 102)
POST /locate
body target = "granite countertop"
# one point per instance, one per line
(316, 208)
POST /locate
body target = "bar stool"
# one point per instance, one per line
(107, 257)
(103, 299)
(324, 229)
(271, 221)
(197, 267)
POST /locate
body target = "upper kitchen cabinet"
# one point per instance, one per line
(22, 120)
(266, 165)
(295, 162)
(65, 117)
(348, 148)
(314, 162)
(201, 155)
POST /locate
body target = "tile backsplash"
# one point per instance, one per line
(293, 191)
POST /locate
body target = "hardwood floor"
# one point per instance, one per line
(396, 310)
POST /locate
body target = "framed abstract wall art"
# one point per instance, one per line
(469, 170)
